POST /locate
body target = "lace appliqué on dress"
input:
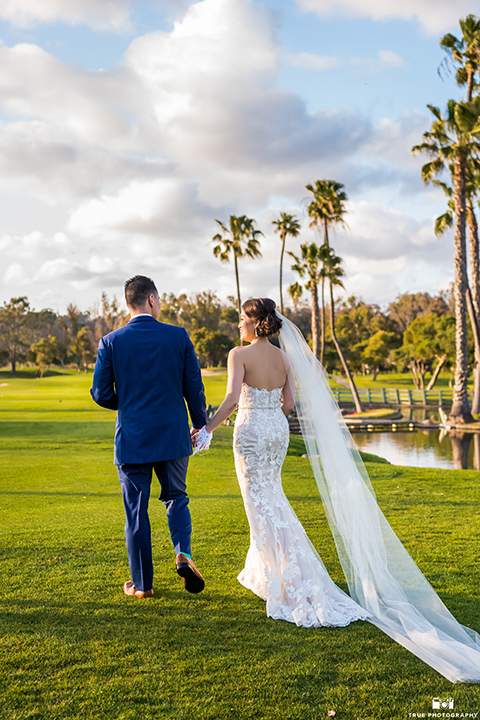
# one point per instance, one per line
(282, 566)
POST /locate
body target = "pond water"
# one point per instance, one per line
(423, 448)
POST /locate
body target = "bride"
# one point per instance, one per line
(282, 567)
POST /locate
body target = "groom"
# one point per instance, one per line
(146, 371)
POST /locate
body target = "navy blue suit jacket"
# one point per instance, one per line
(146, 370)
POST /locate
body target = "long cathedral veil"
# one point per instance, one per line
(381, 575)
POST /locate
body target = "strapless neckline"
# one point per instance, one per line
(252, 387)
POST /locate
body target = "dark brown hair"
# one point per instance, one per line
(263, 311)
(137, 290)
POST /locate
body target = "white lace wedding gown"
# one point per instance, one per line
(282, 566)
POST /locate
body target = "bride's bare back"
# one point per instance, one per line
(265, 366)
(260, 365)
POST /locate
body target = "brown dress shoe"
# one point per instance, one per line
(130, 589)
(191, 576)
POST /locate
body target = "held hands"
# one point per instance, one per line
(200, 439)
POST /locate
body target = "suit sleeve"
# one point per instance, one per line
(193, 390)
(103, 388)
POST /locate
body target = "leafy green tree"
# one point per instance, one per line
(378, 349)
(356, 322)
(285, 225)
(450, 142)
(83, 350)
(46, 351)
(110, 317)
(239, 239)
(14, 330)
(428, 345)
(408, 306)
(211, 347)
(207, 321)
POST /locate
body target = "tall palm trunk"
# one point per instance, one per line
(460, 411)
(353, 387)
(322, 327)
(237, 281)
(476, 344)
(473, 301)
(315, 314)
(283, 238)
(474, 257)
(322, 324)
(476, 451)
(325, 232)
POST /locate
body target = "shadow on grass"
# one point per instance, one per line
(31, 374)
(48, 493)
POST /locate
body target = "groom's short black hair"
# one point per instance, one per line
(137, 290)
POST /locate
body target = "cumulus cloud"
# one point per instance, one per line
(384, 59)
(191, 126)
(435, 16)
(155, 208)
(104, 15)
(312, 61)
(70, 102)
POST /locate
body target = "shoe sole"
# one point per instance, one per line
(193, 583)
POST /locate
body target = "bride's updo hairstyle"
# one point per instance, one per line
(263, 311)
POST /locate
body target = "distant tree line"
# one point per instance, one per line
(46, 338)
(416, 332)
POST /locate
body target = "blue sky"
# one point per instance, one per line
(127, 128)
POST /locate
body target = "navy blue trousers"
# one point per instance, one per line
(136, 481)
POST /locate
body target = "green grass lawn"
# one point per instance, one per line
(73, 646)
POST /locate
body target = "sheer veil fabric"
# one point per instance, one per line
(381, 575)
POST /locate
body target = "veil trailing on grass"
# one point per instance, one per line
(381, 575)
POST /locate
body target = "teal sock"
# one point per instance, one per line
(186, 554)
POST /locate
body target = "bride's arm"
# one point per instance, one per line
(236, 372)
(288, 391)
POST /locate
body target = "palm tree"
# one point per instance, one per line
(295, 291)
(328, 205)
(286, 225)
(325, 210)
(333, 272)
(450, 142)
(310, 263)
(240, 239)
(442, 224)
(465, 53)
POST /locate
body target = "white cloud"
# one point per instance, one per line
(435, 16)
(100, 14)
(13, 273)
(66, 101)
(313, 62)
(155, 208)
(385, 59)
(139, 160)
